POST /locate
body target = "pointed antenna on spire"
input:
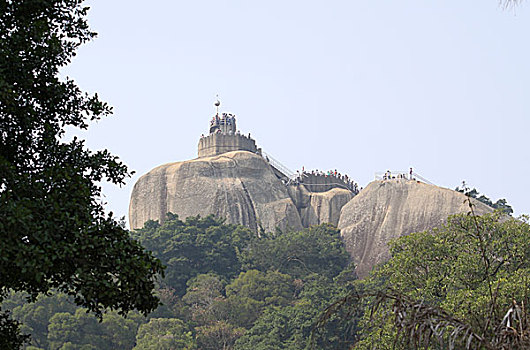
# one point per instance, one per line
(217, 104)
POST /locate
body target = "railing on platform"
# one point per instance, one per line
(401, 174)
(299, 178)
(279, 166)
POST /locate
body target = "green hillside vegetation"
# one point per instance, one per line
(226, 287)
(229, 288)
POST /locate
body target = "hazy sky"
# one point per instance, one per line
(358, 86)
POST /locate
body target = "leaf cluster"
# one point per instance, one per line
(501, 204)
(194, 246)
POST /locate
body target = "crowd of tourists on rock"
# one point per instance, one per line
(388, 175)
(302, 178)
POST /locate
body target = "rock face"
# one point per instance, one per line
(239, 186)
(319, 207)
(326, 207)
(388, 209)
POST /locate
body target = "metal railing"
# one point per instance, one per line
(403, 175)
(279, 166)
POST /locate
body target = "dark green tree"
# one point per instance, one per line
(195, 246)
(54, 321)
(164, 334)
(254, 290)
(35, 317)
(79, 330)
(278, 328)
(318, 249)
(10, 337)
(54, 232)
(270, 288)
(289, 326)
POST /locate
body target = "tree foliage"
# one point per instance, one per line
(54, 232)
(235, 283)
(164, 334)
(290, 326)
(36, 316)
(194, 246)
(232, 294)
(464, 285)
(10, 335)
(318, 249)
(501, 204)
(55, 322)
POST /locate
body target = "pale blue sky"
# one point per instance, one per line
(358, 86)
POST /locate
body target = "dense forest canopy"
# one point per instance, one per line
(225, 287)
(297, 290)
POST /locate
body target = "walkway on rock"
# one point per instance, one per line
(401, 175)
(314, 181)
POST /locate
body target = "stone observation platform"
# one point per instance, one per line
(319, 181)
(224, 137)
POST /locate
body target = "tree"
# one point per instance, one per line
(55, 322)
(10, 337)
(35, 317)
(465, 285)
(501, 204)
(119, 332)
(280, 328)
(195, 246)
(318, 249)
(164, 334)
(254, 290)
(172, 305)
(219, 335)
(205, 298)
(289, 326)
(77, 330)
(54, 232)
(270, 288)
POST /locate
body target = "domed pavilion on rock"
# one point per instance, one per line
(224, 137)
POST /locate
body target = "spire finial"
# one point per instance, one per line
(217, 104)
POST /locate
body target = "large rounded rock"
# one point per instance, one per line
(388, 209)
(239, 186)
(325, 207)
